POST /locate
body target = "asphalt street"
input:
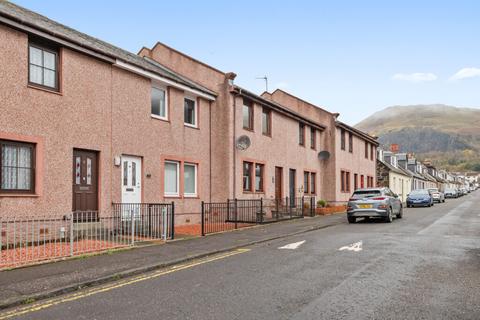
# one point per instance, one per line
(424, 266)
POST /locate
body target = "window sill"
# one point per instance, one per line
(267, 135)
(159, 118)
(254, 192)
(172, 196)
(19, 195)
(32, 86)
(248, 129)
(191, 126)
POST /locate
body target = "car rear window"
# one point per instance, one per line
(366, 194)
(419, 192)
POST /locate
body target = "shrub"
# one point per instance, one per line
(321, 203)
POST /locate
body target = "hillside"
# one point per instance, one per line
(448, 135)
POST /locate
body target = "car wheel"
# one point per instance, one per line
(389, 217)
(351, 219)
(443, 201)
(400, 213)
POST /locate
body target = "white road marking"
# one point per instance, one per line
(357, 246)
(293, 246)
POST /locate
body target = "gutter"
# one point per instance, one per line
(151, 75)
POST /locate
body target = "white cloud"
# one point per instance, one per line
(415, 77)
(466, 73)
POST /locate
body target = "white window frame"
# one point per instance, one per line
(195, 194)
(166, 103)
(195, 108)
(171, 194)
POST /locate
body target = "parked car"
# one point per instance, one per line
(374, 203)
(420, 197)
(451, 193)
(437, 195)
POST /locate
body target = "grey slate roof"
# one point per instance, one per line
(394, 169)
(39, 22)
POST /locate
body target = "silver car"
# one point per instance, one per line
(437, 195)
(374, 202)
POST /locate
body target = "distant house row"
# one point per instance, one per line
(402, 173)
(86, 124)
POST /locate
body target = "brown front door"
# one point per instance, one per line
(85, 181)
(278, 182)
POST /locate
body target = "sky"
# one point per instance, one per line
(351, 57)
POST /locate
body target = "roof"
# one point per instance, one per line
(278, 107)
(21, 18)
(357, 132)
(392, 168)
(299, 99)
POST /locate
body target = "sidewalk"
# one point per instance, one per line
(42, 281)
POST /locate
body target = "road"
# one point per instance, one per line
(424, 266)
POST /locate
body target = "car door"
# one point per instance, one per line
(395, 202)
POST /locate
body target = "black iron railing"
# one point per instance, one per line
(238, 213)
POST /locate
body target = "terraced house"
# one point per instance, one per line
(86, 124)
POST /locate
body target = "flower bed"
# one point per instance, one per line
(331, 210)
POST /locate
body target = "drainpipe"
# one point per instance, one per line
(234, 147)
(210, 151)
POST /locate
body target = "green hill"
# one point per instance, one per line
(450, 136)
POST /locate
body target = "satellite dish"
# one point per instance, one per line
(243, 142)
(323, 155)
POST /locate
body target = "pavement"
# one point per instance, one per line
(33, 283)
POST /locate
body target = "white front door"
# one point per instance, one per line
(131, 179)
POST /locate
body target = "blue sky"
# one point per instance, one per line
(352, 57)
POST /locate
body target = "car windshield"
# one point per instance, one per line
(419, 192)
(366, 194)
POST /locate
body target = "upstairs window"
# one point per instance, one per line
(301, 134)
(342, 139)
(17, 167)
(266, 122)
(159, 103)
(366, 150)
(43, 67)
(190, 112)
(247, 113)
(350, 142)
(313, 138)
(372, 149)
